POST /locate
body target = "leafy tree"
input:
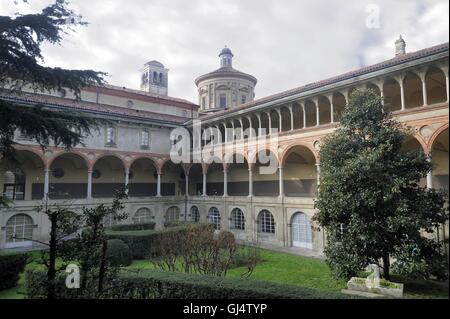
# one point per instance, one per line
(21, 37)
(370, 200)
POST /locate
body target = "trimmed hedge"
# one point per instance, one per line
(11, 265)
(155, 284)
(145, 243)
(118, 253)
(132, 227)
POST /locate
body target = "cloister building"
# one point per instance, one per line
(272, 209)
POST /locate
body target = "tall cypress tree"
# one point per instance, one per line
(370, 201)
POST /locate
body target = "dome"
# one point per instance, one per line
(155, 63)
(225, 51)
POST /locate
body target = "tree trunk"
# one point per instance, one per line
(51, 272)
(386, 266)
(102, 268)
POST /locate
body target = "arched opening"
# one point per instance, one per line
(310, 110)
(23, 177)
(195, 214)
(255, 124)
(285, 119)
(411, 144)
(214, 179)
(265, 127)
(440, 160)
(324, 110)
(108, 176)
(143, 181)
(265, 174)
(298, 115)
(196, 179)
(436, 86)
(143, 215)
(413, 90)
(339, 103)
(68, 177)
(172, 215)
(173, 179)
(266, 222)
(275, 118)
(299, 172)
(237, 175)
(214, 217)
(392, 95)
(301, 231)
(374, 88)
(19, 231)
(237, 219)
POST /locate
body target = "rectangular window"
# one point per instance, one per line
(110, 136)
(203, 101)
(145, 139)
(243, 99)
(223, 100)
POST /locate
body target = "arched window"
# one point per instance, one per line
(214, 217)
(155, 77)
(195, 214)
(172, 214)
(14, 184)
(19, 229)
(266, 223)
(161, 79)
(237, 219)
(143, 215)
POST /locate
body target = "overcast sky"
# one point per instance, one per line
(283, 43)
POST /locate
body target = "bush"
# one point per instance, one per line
(132, 227)
(11, 265)
(154, 284)
(145, 243)
(118, 253)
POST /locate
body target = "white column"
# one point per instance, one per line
(424, 88)
(46, 182)
(259, 123)
(280, 120)
(281, 183)
(225, 183)
(186, 185)
(447, 84)
(318, 174)
(249, 118)
(332, 109)
(317, 113)
(430, 176)
(127, 176)
(382, 93)
(204, 184)
(304, 115)
(242, 128)
(158, 186)
(225, 132)
(402, 91)
(270, 123)
(89, 185)
(250, 182)
(292, 117)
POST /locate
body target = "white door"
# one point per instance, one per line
(301, 231)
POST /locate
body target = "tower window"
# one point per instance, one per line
(223, 100)
(145, 139)
(243, 99)
(110, 136)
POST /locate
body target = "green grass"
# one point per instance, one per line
(285, 268)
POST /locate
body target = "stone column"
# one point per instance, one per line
(292, 117)
(281, 183)
(242, 128)
(430, 176)
(318, 175)
(249, 118)
(127, 176)
(270, 123)
(304, 114)
(225, 132)
(158, 185)
(46, 182)
(424, 88)
(280, 120)
(186, 185)
(317, 113)
(204, 184)
(332, 109)
(225, 183)
(402, 91)
(89, 185)
(250, 182)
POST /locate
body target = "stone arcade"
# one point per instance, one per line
(271, 210)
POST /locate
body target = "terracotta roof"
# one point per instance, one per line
(372, 68)
(142, 95)
(225, 71)
(103, 109)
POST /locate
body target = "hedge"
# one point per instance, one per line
(155, 284)
(145, 243)
(11, 265)
(132, 227)
(118, 253)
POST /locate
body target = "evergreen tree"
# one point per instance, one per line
(21, 37)
(370, 201)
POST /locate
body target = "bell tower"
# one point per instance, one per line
(155, 78)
